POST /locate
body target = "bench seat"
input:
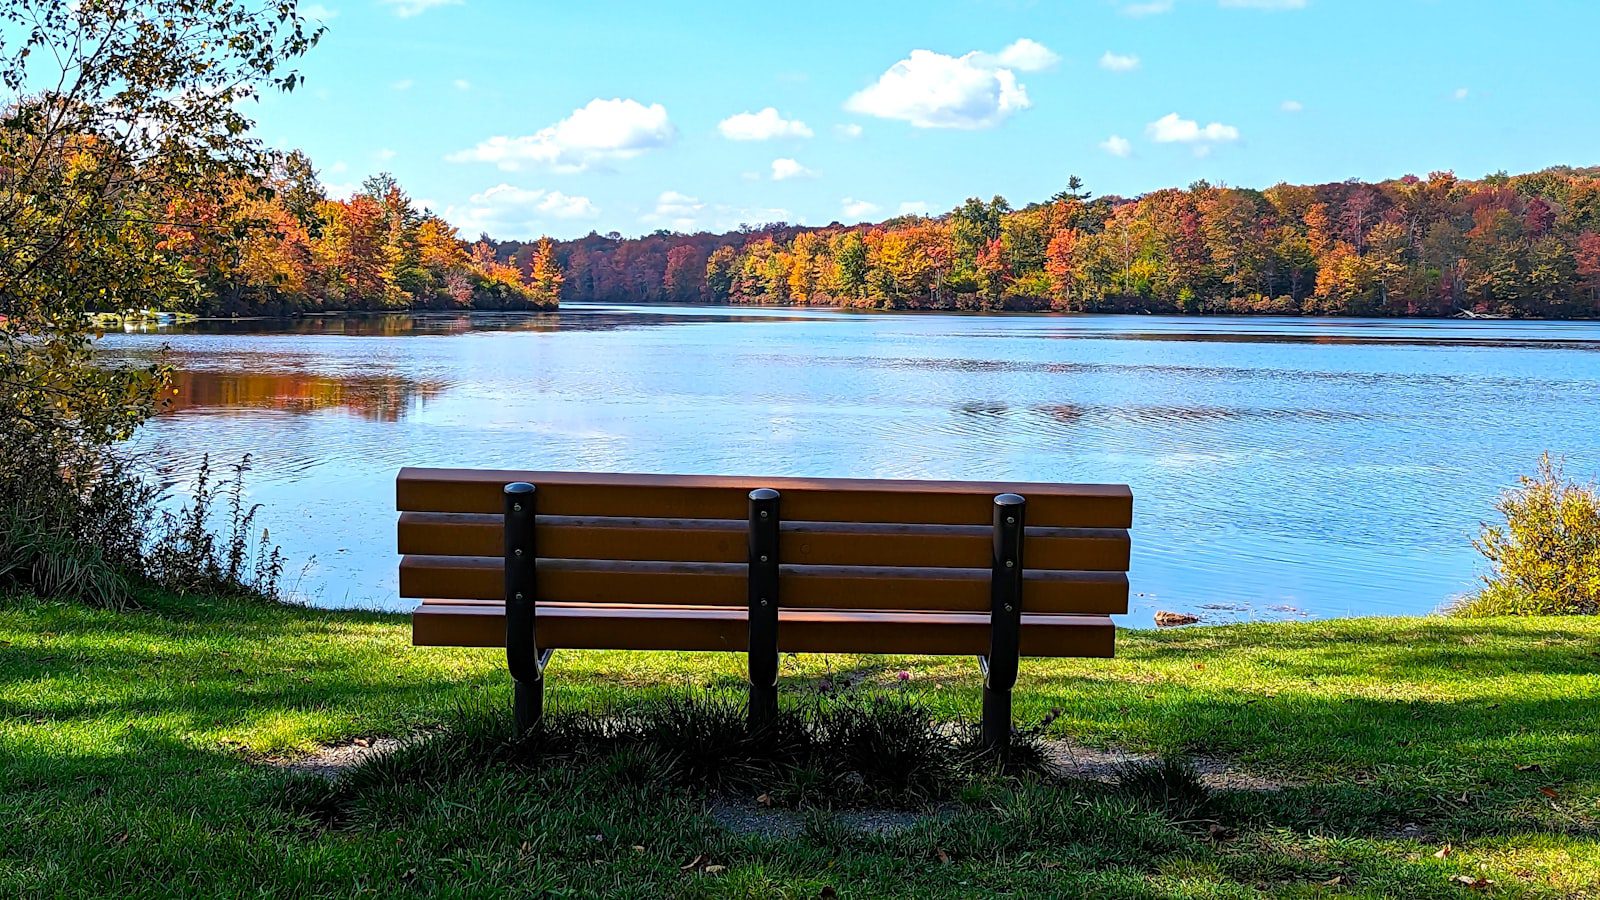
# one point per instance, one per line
(620, 626)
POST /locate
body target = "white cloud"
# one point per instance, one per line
(1170, 129)
(850, 130)
(509, 211)
(786, 169)
(601, 131)
(762, 126)
(338, 168)
(1117, 62)
(679, 212)
(1147, 8)
(914, 208)
(404, 84)
(1117, 145)
(932, 90)
(1263, 4)
(405, 9)
(385, 154)
(857, 209)
(1291, 106)
(1024, 55)
(1461, 93)
(461, 84)
(318, 12)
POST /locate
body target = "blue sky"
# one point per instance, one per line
(527, 118)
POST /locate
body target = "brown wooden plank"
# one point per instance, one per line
(723, 540)
(724, 584)
(619, 627)
(725, 497)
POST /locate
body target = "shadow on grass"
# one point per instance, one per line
(119, 773)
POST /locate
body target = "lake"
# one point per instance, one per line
(1281, 468)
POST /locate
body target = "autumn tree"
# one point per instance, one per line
(544, 275)
(114, 108)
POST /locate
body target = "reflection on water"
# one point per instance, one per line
(1282, 467)
(378, 398)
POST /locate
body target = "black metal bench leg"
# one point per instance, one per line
(1005, 622)
(763, 580)
(527, 704)
(521, 590)
(996, 718)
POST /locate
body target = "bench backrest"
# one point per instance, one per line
(845, 543)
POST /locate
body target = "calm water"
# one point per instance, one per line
(1280, 467)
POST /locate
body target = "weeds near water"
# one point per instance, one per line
(187, 556)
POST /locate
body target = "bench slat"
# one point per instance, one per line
(723, 540)
(726, 497)
(624, 627)
(800, 586)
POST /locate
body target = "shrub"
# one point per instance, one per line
(1545, 558)
(73, 520)
(78, 523)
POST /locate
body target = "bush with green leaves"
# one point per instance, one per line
(1545, 557)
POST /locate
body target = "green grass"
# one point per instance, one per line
(131, 750)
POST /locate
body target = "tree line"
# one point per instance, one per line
(274, 243)
(1522, 246)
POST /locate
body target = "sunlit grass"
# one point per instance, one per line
(130, 749)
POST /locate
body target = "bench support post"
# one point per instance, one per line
(1005, 621)
(522, 648)
(763, 581)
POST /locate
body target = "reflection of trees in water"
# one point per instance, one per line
(376, 398)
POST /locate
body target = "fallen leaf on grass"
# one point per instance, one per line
(1476, 883)
(1337, 880)
(361, 742)
(1219, 833)
(1444, 852)
(697, 862)
(715, 870)
(764, 800)
(1529, 767)
(1550, 792)
(943, 856)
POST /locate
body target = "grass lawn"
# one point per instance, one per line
(131, 750)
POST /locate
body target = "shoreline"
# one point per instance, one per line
(1481, 321)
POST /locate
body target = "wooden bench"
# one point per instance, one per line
(534, 561)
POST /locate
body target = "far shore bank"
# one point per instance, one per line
(1484, 321)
